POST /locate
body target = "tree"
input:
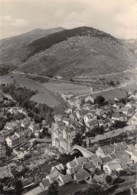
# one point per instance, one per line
(100, 100)
(18, 187)
(53, 189)
(77, 140)
(109, 179)
(112, 83)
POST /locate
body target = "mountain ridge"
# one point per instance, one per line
(73, 52)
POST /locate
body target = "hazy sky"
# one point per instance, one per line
(117, 17)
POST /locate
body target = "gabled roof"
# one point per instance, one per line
(93, 122)
(65, 178)
(120, 146)
(89, 165)
(130, 148)
(53, 174)
(89, 99)
(82, 175)
(113, 165)
(14, 137)
(72, 164)
(113, 155)
(80, 160)
(107, 149)
(77, 168)
(121, 154)
(106, 159)
(45, 183)
(95, 159)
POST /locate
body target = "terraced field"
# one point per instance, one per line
(67, 88)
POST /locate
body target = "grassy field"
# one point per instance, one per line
(67, 88)
(43, 95)
(111, 94)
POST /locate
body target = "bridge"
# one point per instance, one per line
(86, 153)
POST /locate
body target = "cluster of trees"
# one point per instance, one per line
(53, 189)
(22, 95)
(113, 84)
(100, 100)
(46, 42)
(95, 131)
(119, 124)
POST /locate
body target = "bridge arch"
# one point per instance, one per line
(86, 153)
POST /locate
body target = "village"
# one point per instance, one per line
(97, 137)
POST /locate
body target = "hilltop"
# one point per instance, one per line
(12, 49)
(79, 51)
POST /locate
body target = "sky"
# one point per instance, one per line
(117, 17)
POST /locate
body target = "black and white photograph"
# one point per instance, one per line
(68, 97)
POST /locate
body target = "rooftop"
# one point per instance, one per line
(45, 183)
(81, 175)
(113, 165)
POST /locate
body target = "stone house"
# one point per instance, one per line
(45, 183)
(81, 175)
(110, 166)
(16, 140)
(64, 179)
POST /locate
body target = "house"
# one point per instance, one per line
(107, 159)
(68, 111)
(104, 151)
(127, 110)
(21, 136)
(53, 175)
(118, 116)
(89, 166)
(12, 141)
(66, 121)
(110, 166)
(70, 171)
(126, 161)
(16, 140)
(115, 106)
(45, 183)
(37, 133)
(57, 118)
(87, 119)
(120, 146)
(89, 99)
(59, 167)
(81, 175)
(64, 179)
(80, 161)
(93, 124)
(72, 164)
(96, 161)
(5, 133)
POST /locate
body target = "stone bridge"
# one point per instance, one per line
(86, 153)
